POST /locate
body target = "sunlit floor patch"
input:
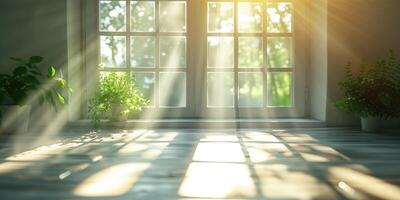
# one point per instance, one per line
(318, 153)
(157, 136)
(113, 181)
(219, 137)
(8, 167)
(297, 181)
(217, 180)
(203, 164)
(143, 150)
(261, 152)
(251, 136)
(356, 183)
(219, 152)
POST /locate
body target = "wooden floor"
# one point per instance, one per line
(201, 164)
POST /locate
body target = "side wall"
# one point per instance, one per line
(358, 30)
(35, 27)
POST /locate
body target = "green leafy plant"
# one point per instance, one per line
(115, 90)
(374, 91)
(27, 80)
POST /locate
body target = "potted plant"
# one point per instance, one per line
(25, 83)
(373, 93)
(115, 98)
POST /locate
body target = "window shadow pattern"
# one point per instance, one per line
(203, 164)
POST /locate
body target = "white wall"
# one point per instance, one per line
(33, 27)
(317, 73)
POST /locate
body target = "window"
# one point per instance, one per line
(148, 40)
(206, 57)
(250, 54)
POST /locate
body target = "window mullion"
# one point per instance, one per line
(156, 92)
(128, 37)
(236, 49)
(265, 61)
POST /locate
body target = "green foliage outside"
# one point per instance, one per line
(374, 91)
(115, 89)
(250, 49)
(27, 80)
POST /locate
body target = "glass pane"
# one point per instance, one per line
(173, 52)
(112, 15)
(220, 89)
(143, 51)
(279, 89)
(250, 89)
(172, 16)
(250, 52)
(250, 17)
(103, 74)
(172, 89)
(142, 16)
(279, 17)
(220, 52)
(220, 17)
(112, 51)
(145, 84)
(279, 52)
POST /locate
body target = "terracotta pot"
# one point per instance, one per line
(15, 119)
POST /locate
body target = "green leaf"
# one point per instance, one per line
(35, 59)
(61, 99)
(36, 72)
(61, 83)
(19, 60)
(33, 80)
(20, 71)
(51, 72)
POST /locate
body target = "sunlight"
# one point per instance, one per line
(259, 137)
(279, 174)
(346, 188)
(95, 149)
(157, 137)
(219, 152)
(219, 137)
(280, 181)
(217, 180)
(302, 138)
(42, 152)
(8, 167)
(120, 137)
(318, 153)
(267, 152)
(143, 150)
(113, 181)
(363, 182)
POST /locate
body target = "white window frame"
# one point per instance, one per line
(196, 70)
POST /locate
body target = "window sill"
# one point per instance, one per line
(208, 123)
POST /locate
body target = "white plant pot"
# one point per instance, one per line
(117, 112)
(15, 119)
(370, 124)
